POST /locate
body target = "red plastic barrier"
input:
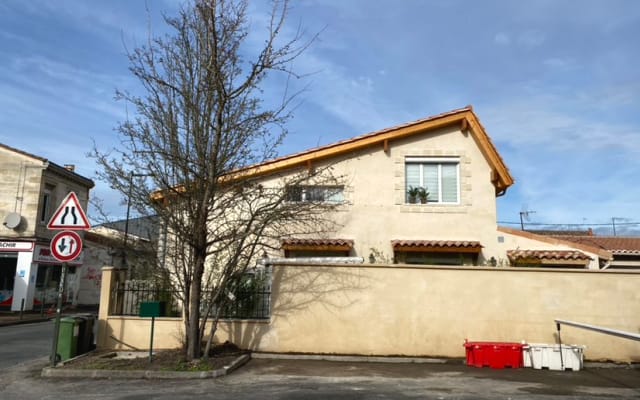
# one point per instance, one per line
(496, 355)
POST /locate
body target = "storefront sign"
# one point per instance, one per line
(16, 246)
(42, 255)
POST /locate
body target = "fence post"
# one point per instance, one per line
(110, 276)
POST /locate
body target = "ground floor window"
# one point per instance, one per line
(435, 258)
(436, 252)
(8, 263)
(48, 276)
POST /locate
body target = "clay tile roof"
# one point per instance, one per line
(561, 233)
(615, 244)
(317, 242)
(436, 244)
(555, 255)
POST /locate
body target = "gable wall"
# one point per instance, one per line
(376, 212)
(20, 179)
(62, 186)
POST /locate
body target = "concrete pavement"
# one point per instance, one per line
(303, 379)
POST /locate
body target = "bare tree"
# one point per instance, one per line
(187, 153)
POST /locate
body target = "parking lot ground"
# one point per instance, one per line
(620, 382)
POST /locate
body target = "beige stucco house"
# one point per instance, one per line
(452, 160)
(421, 277)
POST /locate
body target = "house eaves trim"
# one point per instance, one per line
(317, 244)
(62, 171)
(437, 246)
(464, 117)
(604, 254)
(22, 152)
(53, 167)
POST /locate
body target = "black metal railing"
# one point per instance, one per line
(246, 304)
(127, 297)
(253, 304)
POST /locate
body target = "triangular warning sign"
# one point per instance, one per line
(69, 215)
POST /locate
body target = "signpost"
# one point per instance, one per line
(65, 246)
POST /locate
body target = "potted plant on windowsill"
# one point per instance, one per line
(423, 195)
(413, 194)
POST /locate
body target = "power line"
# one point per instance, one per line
(567, 224)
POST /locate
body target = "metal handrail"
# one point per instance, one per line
(608, 331)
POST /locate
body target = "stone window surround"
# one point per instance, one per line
(465, 185)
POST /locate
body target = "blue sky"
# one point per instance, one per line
(555, 83)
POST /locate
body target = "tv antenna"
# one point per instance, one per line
(524, 215)
(613, 221)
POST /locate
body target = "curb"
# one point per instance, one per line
(24, 321)
(370, 359)
(53, 372)
(409, 360)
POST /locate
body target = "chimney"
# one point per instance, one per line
(70, 167)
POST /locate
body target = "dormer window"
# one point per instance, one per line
(439, 176)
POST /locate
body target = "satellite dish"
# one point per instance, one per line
(12, 220)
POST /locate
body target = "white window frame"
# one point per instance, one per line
(439, 161)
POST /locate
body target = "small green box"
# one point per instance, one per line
(152, 309)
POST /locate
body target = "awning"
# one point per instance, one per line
(568, 257)
(317, 244)
(437, 246)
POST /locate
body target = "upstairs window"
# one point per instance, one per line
(320, 194)
(45, 204)
(439, 176)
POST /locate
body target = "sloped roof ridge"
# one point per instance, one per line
(363, 136)
(53, 166)
(502, 179)
(24, 153)
(610, 243)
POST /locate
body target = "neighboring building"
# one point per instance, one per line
(451, 159)
(105, 245)
(625, 250)
(32, 189)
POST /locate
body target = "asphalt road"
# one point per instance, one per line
(21, 343)
(292, 380)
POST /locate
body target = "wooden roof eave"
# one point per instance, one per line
(465, 118)
(503, 179)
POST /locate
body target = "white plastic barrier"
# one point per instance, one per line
(539, 356)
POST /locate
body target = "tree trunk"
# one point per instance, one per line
(193, 331)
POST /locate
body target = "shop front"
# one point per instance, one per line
(29, 276)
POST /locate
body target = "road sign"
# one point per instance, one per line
(69, 215)
(66, 246)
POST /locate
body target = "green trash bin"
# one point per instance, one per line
(85, 335)
(68, 338)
